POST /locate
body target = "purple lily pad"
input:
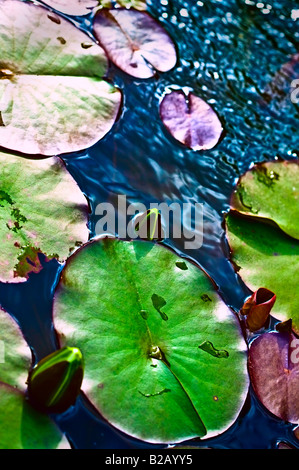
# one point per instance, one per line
(134, 41)
(274, 370)
(190, 120)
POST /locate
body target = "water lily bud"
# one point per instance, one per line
(258, 308)
(55, 382)
(149, 225)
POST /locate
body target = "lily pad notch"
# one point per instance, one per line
(159, 359)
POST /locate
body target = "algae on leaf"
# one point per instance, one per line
(53, 99)
(42, 211)
(139, 322)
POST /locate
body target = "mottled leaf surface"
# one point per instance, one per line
(139, 320)
(42, 210)
(134, 41)
(266, 257)
(274, 371)
(190, 120)
(15, 354)
(52, 97)
(271, 190)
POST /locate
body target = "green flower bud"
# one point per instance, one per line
(55, 382)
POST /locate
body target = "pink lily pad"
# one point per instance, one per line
(190, 120)
(134, 41)
(274, 370)
(73, 7)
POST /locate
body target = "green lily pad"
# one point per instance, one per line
(15, 354)
(52, 96)
(271, 190)
(42, 210)
(266, 257)
(140, 322)
(23, 427)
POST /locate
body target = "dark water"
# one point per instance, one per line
(230, 53)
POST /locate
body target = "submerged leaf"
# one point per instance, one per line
(274, 371)
(190, 120)
(42, 211)
(138, 321)
(52, 97)
(134, 42)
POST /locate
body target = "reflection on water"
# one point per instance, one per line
(232, 54)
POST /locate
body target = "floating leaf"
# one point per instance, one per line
(274, 370)
(138, 320)
(23, 427)
(52, 97)
(55, 382)
(42, 210)
(73, 7)
(257, 308)
(190, 120)
(15, 355)
(266, 256)
(134, 41)
(271, 190)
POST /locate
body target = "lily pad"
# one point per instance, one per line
(42, 210)
(84, 7)
(134, 41)
(271, 190)
(266, 257)
(274, 370)
(52, 96)
(190, 120)
(15, 354)
(26, 428)
(73, 7)
(140, 322)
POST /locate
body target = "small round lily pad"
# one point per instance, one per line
(134, 41)
(165, 359)
(190, 120)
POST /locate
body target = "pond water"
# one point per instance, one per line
(232, 53)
